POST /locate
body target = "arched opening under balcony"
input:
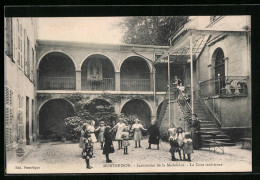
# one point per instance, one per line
(139, 108)
(98, 73)
(51, 117)
(56, 72)
(135, 74)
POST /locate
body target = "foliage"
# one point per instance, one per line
(151, 30)
(95, 110)
(73, 126)
(130, 119)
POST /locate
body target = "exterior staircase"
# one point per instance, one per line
(173, 95)
(208, 126)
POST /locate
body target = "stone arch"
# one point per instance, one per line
(219, 68)
(58, 51)
(144, 112)
(148, 63)
(56, 71)
(97, 53)
(97, 73)
(135, 74)
(40, 106)
(51, 116)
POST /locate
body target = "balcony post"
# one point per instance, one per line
(151, 81)
(78, 80)
(117, 81)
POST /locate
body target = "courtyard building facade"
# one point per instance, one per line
(47, 81)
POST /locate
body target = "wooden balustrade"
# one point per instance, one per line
(57, 83)
(102, 85)
(135, 85)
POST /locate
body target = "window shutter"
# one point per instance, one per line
(15, 40)
(8, 38)
(25, 50)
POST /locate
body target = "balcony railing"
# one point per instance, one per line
(135, 85)
(57, 83)
(224, 87)
(102, 85)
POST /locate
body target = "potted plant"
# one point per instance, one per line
(63, 138)
(232, 89)
(240, 89)
(223, 91)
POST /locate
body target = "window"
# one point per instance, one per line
(8, 38)
(32, 64)
(19, 44)
(20, 117)
(28, 60)
(8, 115)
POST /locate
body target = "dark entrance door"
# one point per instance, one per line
(219, 70)
(32, 116)
(27, 120)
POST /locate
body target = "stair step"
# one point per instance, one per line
(208, 126)
(211, 131)
(219, 136)
(208, 129)
(206, 122)
(224, 140)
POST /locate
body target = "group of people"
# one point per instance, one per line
(123, 130)
(180, 142)
(184, 142)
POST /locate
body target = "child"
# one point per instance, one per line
(180, 138)
(88, 148)
(101, 129)
(188, 147)
(125, 136)
(81, 139)
(119, 129)
(91, 128)
(174, 147)
(136, 128)
(108, 147)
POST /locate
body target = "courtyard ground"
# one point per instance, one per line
(57, 157)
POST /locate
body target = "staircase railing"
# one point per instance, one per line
(210, 112)
(173, 95)
(184, 104)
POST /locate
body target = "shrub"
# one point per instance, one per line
(73, 126)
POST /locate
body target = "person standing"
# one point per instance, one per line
(188, 147)
(195, 135)
(125, 136)
(88, 149)
(177, 81)
(154, 137)
(119, 129)
(180, 138)
(101, 129)
(91, 128)
(137, 127)
(108, 146)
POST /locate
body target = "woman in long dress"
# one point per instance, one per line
(119, 129)
(154, 135)
(137, 127)
(101, 129)
(91, 128)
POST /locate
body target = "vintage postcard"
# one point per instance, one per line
(128, 94)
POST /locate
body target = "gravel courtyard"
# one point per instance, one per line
(57, 157)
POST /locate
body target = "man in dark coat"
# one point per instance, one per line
(195, 135)
(154, 132)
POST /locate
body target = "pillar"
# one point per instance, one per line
(117, 81)
(151, 81)
(78, 80)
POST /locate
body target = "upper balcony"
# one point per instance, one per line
(57, 71)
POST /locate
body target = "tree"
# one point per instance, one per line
(151, 30)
